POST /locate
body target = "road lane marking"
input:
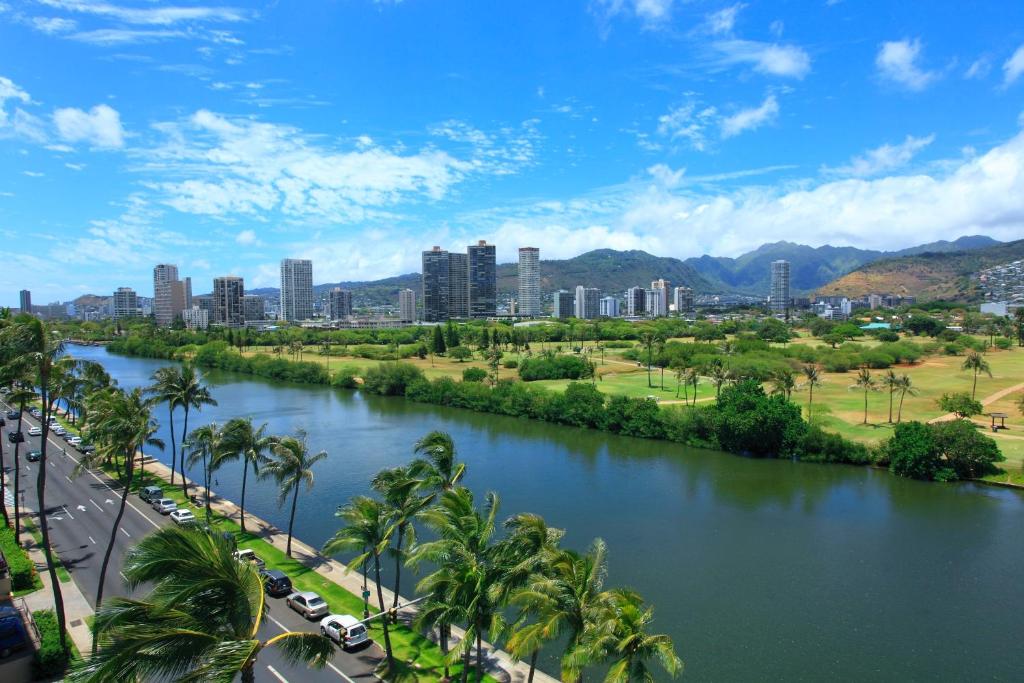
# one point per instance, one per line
(279, 624)
(277, 675)
(123, 576)
(68, 511)
(69, 479)
(93, 540)
(340, 672)
(96, 504)
(125, 532)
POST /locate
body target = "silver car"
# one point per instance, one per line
(308, 604)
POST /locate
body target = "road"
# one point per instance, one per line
(81, 512)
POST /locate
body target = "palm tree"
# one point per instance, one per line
(291, 465)
(906, 386)
(891, 381)
(866, 382)
(680, 370)
(166, 388)
(192, 393)
(121, 424)
(242, 440)
(783, 382)
(976, 363)
(199, 622)
(813, 379)
(21, 396)
(694, 377)
(622, 638)
(209, 449)
(719, 374)
(400, 491)
(648, 340)
(440, 470)
(368, 528)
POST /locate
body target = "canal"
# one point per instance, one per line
(758, 569)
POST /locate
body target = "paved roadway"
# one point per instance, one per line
(81, 512)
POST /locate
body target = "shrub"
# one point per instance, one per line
(618, 344)
(751, 422)
(952, 349)
(960, 404)
(391, 378)
(474, 375)
(460, 353)
(1003, 343)
(552, 366)
(821, 446)
(510, 363)
(21, 568)
(345, 378)
(888, 336)
(634, 417)
(911, 451)
(968, 452)
(50, 661)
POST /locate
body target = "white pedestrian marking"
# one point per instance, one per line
(81, 508)
(96, 504)
(277, 675)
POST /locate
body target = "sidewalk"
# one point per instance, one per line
(498, 663)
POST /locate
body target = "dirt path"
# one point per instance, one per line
(992, 398)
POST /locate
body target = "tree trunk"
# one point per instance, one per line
(249, 673)
(974, 389)
(890, 405)
(865, 406)
(384, 617)
(479, 654)
(3, 487)
(129, 469)
(899, 412)
(241, 506)
(184, 480)
(533, 665)
(207, 475)
(58, 595)
(291, 520)
(398, 562)
(17, 480)
(465, 667)
(810, 404)
(174, 446)
(444, 650)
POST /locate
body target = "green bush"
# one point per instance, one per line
(968, 452)
(50, 660)
(474, 375)
(911, 451)
(510, 363)
(391, 378)
(1003, 343)
(20, 566)
(345, 378)
(554, 366)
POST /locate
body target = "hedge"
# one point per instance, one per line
(20, 566)
(50, 658)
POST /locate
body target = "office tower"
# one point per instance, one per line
(165, 308)
(483, 280)
(196, 318)
(587, 302)
(458, 285)
(779, 300)
(254, 307)
(204, 302)
(683, 300)
(435, 285)
(126, 303)
(609, 307)
(563, 304)
(407, 305)
(656, 303)
(340, 303)
(228, 292)
(26, 301)
(296, 289)
(661, 285)
(636, 302)
(529, 281)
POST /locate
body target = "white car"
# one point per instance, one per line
(344, 629)
(59, 431)
(74, 440)
(308, 604)
(35, 431)
(183, 517)
(165, 505)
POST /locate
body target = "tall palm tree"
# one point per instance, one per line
(209, 450)
(21, 396)
(906, 386)
(891, 382)
(121, 424)
(976, 363)
(694, 376)
(291, 465)
(648, 340)
(368, 529)
(812, 379)
(783, 382)
(719, 374)
(401, 494)
(244, 441)
(192, 393)
(166, 388)
(866, 381)
(439, 469)
(199, 622)
(680, 370)
(622, 638)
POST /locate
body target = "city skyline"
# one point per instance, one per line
(214, 139)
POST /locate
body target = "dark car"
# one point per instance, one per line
(15, 437)
(13, 414)
(34, 456)
(87, 448)
(12, 631)
(276, 582)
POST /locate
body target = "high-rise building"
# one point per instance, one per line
(435, 285)
(587, 302)
(228, 292)
(254, 307)
(483, 280)
(529, 281)
(196, 318)
(657, 303)
(340, 303)
(636, 302)
(169, 299)
(296, 289)
(458, 285)
(407, 305)
(25, 301)
(661, 285)
(683, 300)
(125, 304)
(563, 304)
(609, 307)
(779, 301)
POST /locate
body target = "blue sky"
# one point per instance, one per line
(357, 133)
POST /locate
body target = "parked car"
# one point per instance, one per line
(13, 414)
(13, 636)
(344, 629)
(308, 604)
(276, 582)
(249, 555)
(183, 517)
(36, 413)
(86, 448)
(15, 437)
(165, 506)
(75, 441)
(35, 431)
(34, 456)
(151, 493)
(59, 431)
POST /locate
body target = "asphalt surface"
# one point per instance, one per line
(81, 513)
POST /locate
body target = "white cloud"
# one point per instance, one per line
(653, 13)
(10, 91)
(75, 167)
(979, 68)
(33, 174)
(776, 28)
(100, 126)
(665, 176)
(52, 25)
(151, 16)
(247, 238)
(114, 36)
(897, 61)
(1014, 66)
(884, 158)
(688, 122)
(771, 59)
(722, 21)
(751, 119)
